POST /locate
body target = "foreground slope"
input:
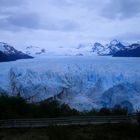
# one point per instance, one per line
(89, 132)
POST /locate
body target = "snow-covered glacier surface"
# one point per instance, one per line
(81, 82)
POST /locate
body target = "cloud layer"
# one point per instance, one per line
(69, 21)
(122, 9)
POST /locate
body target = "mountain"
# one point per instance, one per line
(9, 53)
(92, 49)
(52, 51)
(130, 51)
(108, 49)
(115, 46)
(99, 49)
(33, 50)
(83, 49)
(102, 50)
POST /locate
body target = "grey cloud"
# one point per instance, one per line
(14, 18)
(20, 21)
(121, 9)
(61, 2)
(131, 36)
(83, 3)
(60, 25)
(9, 3)
(30, 20)
(8, 7)
(17, 22)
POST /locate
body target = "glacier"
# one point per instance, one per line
(82, 82)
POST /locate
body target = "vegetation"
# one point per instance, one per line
(17, 107)
(138, 117)
(89, 132)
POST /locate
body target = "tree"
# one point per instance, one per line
(118, 110)
(104, 111)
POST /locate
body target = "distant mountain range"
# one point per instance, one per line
(108, 49)
(115, 48)
(33, 50)
(9, 53)
(82, 83)
(132, 51)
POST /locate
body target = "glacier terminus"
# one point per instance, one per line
(82, 82)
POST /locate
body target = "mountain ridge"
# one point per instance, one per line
(83, 49)
(9, 53)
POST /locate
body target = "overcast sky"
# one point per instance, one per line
(49, 23)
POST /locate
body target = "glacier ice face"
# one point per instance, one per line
(81, 82)
(124, 94)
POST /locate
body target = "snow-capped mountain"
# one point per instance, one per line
(9, 53)
(108, 49)
(81, 82)
(115, 46)
(83, 49)
(91, 48)
(33, 50)
(99, 49)
(7, 49)
(57, 51)
(130, 51)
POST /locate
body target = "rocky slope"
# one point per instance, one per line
(9, 53)
(131, 51)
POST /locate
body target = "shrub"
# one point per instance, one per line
(17, 107)
(11, 107)
(104, 112)
(138, 113)
(118, 110)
